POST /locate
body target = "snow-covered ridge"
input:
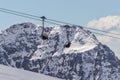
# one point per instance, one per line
(9, 73)
(27, 33)
(21, 46)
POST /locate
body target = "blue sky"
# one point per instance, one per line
(73, 11)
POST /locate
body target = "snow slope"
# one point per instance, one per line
(9, 73)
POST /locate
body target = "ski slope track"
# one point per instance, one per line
(9, 73)
(21, 46)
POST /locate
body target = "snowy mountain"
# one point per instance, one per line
(21, 46)
(9, 73)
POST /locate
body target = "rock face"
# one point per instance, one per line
(21, 46)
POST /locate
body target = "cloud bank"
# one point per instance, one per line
(105, 23)
(111, 24)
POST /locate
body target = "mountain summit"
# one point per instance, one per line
(70, 52)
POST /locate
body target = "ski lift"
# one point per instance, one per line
(68, 43)
(44, 36)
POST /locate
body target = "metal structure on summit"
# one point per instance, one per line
(44, 36)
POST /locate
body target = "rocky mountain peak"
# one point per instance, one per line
(85, 58)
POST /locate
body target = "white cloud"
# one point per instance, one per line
(105, 23)
(105, 38)
(111, 24)
(118, 55)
